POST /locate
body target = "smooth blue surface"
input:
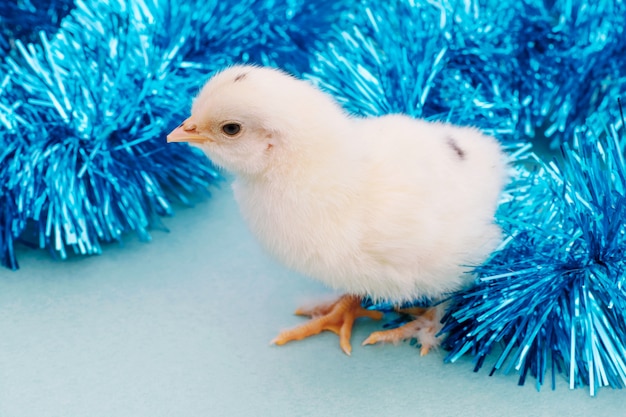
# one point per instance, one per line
(181, 327)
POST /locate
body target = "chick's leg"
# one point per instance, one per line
(424, 328)
(337, 316)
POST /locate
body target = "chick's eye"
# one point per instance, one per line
(231, 129)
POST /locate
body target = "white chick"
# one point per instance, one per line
(389, 207)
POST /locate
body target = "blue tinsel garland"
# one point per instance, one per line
(83, 113)
(85, 103)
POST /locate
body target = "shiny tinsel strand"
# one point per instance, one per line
(553, 297)
(23, 19)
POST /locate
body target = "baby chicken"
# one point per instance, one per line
(391, 207)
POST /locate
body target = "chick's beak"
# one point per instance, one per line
(186, 132)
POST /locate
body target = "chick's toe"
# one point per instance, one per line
(337, 317)
(424, 328)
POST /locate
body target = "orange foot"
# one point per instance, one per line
(337, 316)
(424, 328)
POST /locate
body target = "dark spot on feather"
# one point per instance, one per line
(240, 77)
(455, 147)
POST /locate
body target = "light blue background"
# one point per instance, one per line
(181, 327)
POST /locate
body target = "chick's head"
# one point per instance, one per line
(246, 117)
